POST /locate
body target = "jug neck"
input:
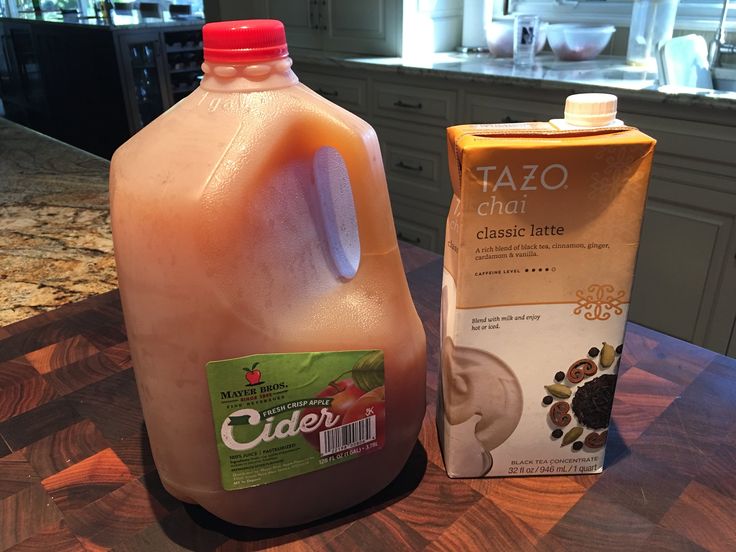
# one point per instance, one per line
(248, 77)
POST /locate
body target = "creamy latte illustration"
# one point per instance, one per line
(482, 401)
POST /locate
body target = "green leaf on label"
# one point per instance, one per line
(239, 420)
(368, 371)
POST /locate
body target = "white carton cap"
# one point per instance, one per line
(590, 110)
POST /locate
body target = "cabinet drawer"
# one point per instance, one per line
(346, 92)
(417, 234)
(416, 164)
(419, 226)
(491, 109)
(409, 103)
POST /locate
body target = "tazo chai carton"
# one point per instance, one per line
(542, 238)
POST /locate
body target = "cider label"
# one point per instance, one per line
(277, 416)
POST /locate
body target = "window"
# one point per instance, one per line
(14, 7)
(84, 7)
(696, 15)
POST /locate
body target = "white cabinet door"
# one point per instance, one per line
(498, 109)
(301, 18)
(686, 277)
(416, 164)
(346, 91)
(419, 224)
(368, 26)
(415, 104)
(685, 283)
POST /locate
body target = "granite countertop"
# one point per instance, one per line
(116, 22)
(55, 239)
(599, 75)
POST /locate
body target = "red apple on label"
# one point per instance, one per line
(252, 374)
(372, 403)
(344, 394)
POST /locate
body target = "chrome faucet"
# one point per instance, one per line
(719, 45)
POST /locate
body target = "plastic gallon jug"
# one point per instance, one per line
(279, 359)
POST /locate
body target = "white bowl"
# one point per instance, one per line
(574, 42)
(500, 38)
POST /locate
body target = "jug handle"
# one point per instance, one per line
(357, 143)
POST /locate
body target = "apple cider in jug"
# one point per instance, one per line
(279, 359)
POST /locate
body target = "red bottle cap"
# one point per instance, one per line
(244, 41)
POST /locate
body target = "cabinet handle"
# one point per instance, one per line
(330, 93)
(410, 240)
(402, 103)
(407, 167)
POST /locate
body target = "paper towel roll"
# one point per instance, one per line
(475, 13)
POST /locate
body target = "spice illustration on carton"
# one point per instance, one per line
(542, 238)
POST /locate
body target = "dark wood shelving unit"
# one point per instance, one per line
(95, 85)
(183, 47)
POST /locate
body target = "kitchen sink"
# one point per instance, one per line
(724, 78)
(724, 85)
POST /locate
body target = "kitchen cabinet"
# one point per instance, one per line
(8, 71)
(683, 273)
(159, 68)
(414, 103)
(93, 84)
(183, 59)
(64, 82)
(374, 27)
(685, 282)
(301, 18)
(686, 270)
(83, 98)
(410, 123)
(416, 165)
(144, 75)
(503, 109)
(419, 224)
(347, 92)
(21, 81)
(366, 27)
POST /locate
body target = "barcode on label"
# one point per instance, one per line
(348, 436)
